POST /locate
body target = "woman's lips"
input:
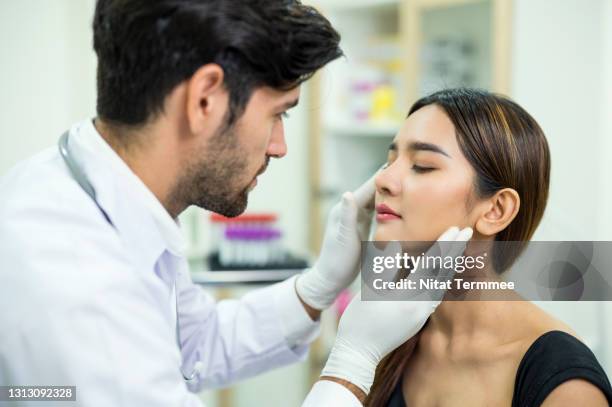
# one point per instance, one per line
(384, 213)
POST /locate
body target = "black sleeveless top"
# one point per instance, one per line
(552, 359)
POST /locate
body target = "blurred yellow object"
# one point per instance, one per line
(383, 103)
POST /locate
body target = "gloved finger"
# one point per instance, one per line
(437, 247)
(450, 243)
(364, 195)
(348, 214)
(453, 248)
(372, 270)
(364, 223)
(450, 234)
(460, 242)
(391, 249)
(457, 248)
(368, 292)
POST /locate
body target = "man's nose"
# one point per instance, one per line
(277, 147)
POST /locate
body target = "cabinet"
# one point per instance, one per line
(395, 52)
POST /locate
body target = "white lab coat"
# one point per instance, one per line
(86, 305)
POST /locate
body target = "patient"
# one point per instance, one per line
(470, 158)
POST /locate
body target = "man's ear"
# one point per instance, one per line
(207, 98)
(498, 212)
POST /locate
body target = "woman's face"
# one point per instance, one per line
(427, 182)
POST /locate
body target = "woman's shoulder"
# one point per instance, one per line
(554, 358)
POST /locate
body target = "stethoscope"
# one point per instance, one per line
(80, 177)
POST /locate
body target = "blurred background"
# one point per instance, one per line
(553, 58)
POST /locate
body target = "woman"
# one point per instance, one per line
(470, 158)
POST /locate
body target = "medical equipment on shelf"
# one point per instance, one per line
(79, 176)
(251, 246)
(219, 224)
(249, 242)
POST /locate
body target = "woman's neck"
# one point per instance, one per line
(482, 313)
(466, 318)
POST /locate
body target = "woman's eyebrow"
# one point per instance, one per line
(421, 146)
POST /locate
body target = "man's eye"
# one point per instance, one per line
(421, 170)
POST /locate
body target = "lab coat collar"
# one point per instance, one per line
(135, 211)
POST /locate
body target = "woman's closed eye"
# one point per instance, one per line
(422, 169)
(419, 169)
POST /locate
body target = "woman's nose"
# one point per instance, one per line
(387, 181)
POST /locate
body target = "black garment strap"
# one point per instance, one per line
(551, 360)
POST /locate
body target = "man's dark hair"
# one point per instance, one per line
(146, 48)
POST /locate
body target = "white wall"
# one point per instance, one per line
(47, 73)
(605, 185)
(557, 77)
(284, 187)
(606, 120)
(559, 65)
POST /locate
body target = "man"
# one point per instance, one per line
(94, 284)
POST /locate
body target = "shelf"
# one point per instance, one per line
(367, 129)
(242, 277)
(430, 4)
(343, 149)
(349, 5)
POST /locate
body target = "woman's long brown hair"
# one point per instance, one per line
(507, 149)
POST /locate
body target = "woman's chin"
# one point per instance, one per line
(386, 233)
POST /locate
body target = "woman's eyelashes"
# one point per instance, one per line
(421, 170)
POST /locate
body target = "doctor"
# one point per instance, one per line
(94, 284)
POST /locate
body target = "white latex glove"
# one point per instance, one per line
(369, 330)
(348, 224)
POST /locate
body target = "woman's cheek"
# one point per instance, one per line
(417, 213)
(430, 208)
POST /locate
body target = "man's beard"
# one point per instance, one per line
(211, 180)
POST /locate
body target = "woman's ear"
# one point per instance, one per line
(499, 211)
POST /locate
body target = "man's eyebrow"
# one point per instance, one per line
(290, 104)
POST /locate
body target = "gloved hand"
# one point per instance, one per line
(369, 330)
(347, 225)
